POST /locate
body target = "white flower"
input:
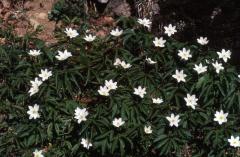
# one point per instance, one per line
(148, 129)
(220, 117)
(157, 100)
(184, 54)
(225, 55)
(33, 90)
(234, 141)
(116, 32)
(207, 61)
(36, 82)
(239, 76)
(179, 76)
(140, 91)
(103, 1)
(80, 114)
(150, 61)
(117, 122)
(125, 65)
(103, 91)
(34, 86)
(159, 42)
(34, 52)
(218, 66)
(86, 143)
(110, 84)
(71, 33)
(173, 120)
(89, 38)
(38, 153)
(63, 55)
(170, 30)
(117, 62)
(191, 101)
(200, 68)
(145, 22)
(33, 112)
(45, 74)
(202, 40)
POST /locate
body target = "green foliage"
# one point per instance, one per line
(69, 8)
(75, 83)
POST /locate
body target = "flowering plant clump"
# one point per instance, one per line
(130, 94)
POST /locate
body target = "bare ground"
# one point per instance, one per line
(26, 16)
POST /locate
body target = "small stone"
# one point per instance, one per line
(34, 23)
(28, 5)
(2, 40)
(41, 15)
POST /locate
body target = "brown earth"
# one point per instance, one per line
(26, 16)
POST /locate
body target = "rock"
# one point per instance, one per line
(101, 33)
(7, 15)
(2, 40)
(34, 23)
(41, 15)
(103, 21)
(119, 8)
(28, 5)
(20, 31)
(155, 9)
(6, 3)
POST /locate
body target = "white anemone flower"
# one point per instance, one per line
(148, 129)
(220, 117)
(202, 40)
(63, 55)
(180, 76)
(125, 65)
(157, 100)
(218, 66)
(81, 114)
(234, 141)
(224, 54)
(200, 68)
(117, 32)
(86, 143)
(89, 38)
(117, 62)
(34, 53)
(117, 122)
(45, 74)
(111, 85)
(38, 153)
(159, 42)
(33, 90)
(145, 22)
(71, 33)
(36, 82)
(170, 30)
(33, 112)
(103, 1)
(173, 120)
(104, 91)
(150, 61)
(140, 91)
(191, 101)
(184, 54)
